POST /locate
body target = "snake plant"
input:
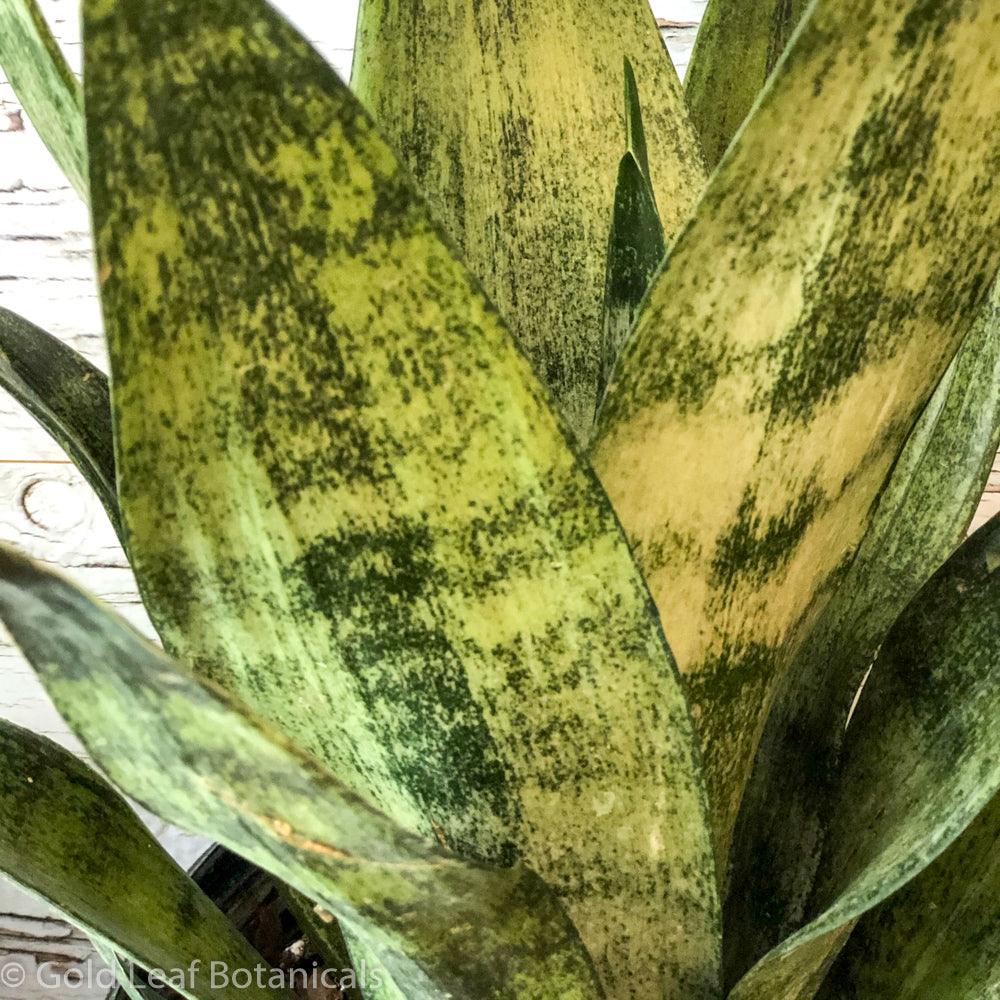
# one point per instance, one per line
(548, 486)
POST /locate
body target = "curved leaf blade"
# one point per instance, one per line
(67, 837)
(939, 936)
(45, 85)
(738, 45)
(348, 500)
(67, 395)
(779, 375)
(921, 517)
(922, 759)
(199, 759)
(506, 118)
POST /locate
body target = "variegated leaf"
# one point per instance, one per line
(445, 927)
(799, 325)
(922, 759)
(738, 45)
(509, 117)
(921, 517)
(69, 838)
(348, 500)
(45, 85)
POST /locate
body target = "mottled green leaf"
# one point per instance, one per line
(635, 131)
(348, 500)
(199, 759)
(939, 936)
(738, 45)
(69, 838)
(67, 395)
(45, 85)
(921, 760)
(509, 117)
(922, 515)
(800, 323)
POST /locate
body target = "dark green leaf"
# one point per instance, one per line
(921, 517)
(635, 251)
(636, 244)
(635, 132)
(199, 759)
(348, 500)
(67, 395)
(69, 838)
(45, 85)
(921, 761)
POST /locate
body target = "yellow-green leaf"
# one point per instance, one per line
(801, 321)
(922, 515)
(509, 117)
(738, 45)
(922, 759)
(348, 500)
(445, 927)
(67, 395)
(69, 838)
(45, 85)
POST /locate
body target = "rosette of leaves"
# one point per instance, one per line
(557, 554)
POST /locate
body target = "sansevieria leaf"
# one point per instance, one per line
(349, 502)
(738, 45)
(45, 85)
(799, 325)
(922, 759)
(636, 245)
(198, 758)
(325, 936)
(509, 118)
(66, 394)
(69, 838)
(921, 517)
(939, 936)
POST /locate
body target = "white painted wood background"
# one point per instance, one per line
(46, 274)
